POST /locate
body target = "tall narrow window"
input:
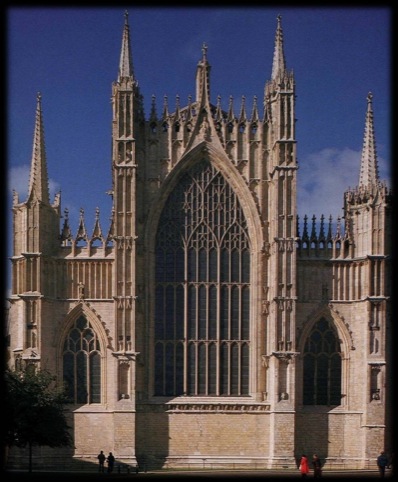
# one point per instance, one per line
(202, 313)
(322, 366)
(82, 363)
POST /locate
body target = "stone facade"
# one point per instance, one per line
(246, 381)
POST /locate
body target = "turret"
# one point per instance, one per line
(366, 207)
(127, 136)
(128, 116)
(279, 98)
(36, 221)
(279, 136)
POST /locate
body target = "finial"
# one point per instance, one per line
(38, 97)
(126, 17)
(204, 51)
(370, 97)
(279, 17)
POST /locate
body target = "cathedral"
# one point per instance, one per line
(210, 326)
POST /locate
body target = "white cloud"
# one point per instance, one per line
(322, 179)
(18, 180)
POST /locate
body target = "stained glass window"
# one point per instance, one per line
(322, 366)
(202, 312)
(82, 363)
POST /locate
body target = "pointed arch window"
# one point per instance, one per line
(202, 292)
(322, 366)
(82, 363)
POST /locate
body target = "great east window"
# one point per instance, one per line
(202, 309)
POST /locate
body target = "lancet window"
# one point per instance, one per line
(82, 363)
(322, 366)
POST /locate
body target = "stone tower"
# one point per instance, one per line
(209, 324)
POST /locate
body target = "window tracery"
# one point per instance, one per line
(82, 363)
(202, 289)
(322, 366)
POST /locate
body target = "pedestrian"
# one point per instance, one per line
(382, 462)
(316, 463)
(111, 461)
(304, 469)
(101, 460)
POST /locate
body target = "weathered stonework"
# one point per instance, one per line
(297, 279)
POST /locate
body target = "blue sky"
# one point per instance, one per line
(71, 56)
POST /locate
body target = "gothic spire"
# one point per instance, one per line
(202, 78)
(38, 182)
(219, 113)
(242, 115)
(126, 64)
(278, 63)
(81, 231)
(368, 175)
(165, 107)
(66, 233)
(254, 117)
(153, 116)
(231, 115)
(97, 231)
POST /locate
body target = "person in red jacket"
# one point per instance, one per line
(304, 469)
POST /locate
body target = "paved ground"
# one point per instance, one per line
(192, 475)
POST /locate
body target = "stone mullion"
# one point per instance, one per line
(283, 280)
(218, 311)
(133, 255)
(98, 292)
(195, 344)
(185, 321)
(279, 259)
(382, 277)
(353, 287)
(285, 116)
(120, 261)
(38, 266)
(348, 281)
